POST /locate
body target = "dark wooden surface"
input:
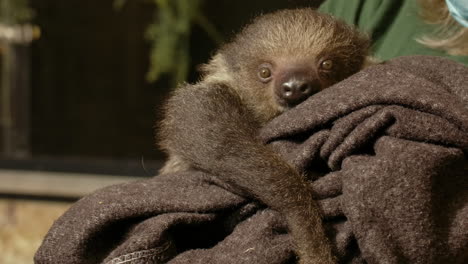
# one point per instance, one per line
(15, 100)
(89, 94)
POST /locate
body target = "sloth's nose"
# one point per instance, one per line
(295, 91)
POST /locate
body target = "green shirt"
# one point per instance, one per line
(394, 26)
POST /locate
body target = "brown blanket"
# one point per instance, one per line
(392, 143)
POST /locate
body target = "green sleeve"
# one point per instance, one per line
(393, 25)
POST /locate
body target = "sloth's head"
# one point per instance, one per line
(282, 58)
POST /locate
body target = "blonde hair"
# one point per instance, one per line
(449, 36)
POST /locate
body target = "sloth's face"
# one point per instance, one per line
(271, 87)
(292, 81)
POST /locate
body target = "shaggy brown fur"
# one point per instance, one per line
(212, 125)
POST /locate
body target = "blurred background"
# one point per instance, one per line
(81, 86)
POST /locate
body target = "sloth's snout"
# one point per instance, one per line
(295, 83)
(295, 91)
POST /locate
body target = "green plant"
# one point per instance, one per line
(169, 36)
(15, 11)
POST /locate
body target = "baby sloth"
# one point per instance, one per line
(272, 65)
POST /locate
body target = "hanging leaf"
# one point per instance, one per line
(15, 12)
(119, 4)
(169, 35)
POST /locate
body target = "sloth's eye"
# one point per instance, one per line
(326, 65)
(264, 73)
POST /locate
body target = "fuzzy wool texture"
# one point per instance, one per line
(392, 145)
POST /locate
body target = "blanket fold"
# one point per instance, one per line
(391, 143)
